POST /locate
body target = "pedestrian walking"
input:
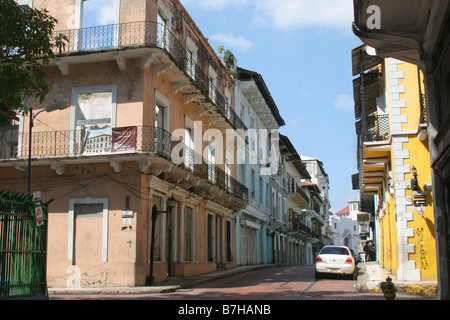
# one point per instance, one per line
(368, 248)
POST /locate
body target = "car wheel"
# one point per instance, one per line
(317, 275)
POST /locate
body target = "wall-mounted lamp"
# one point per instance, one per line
(389, 181)
(389, 184)
(414, 183)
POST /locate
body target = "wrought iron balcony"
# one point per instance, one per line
(377, 128)
(423, 109)
(61, 145)
(298, 225)
(147, 34)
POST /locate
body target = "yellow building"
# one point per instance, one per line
(394, 163)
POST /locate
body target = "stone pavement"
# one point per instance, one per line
(370, 275)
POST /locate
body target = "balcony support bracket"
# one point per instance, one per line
(20, 166)
(160, 68)
(58, 167)
(63, 67)
(187, 98)
(116, 165)
(147, 60)
(121, 61)
(178, 86)
(144, 165)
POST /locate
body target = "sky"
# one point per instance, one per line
(302, 49)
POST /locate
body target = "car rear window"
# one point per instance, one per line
(334, 250)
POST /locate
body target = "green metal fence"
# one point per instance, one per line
(23, 248)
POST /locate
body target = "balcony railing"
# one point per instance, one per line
(76, 143)
(423, 109)
(297, 224)
(152, 35)
(377, 128)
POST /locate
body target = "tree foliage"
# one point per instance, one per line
(26, 45)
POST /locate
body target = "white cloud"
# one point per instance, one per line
(230, 41)
(288, 14)
(216, 4)
(103, 11)
(344, 102)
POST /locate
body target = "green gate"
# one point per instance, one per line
(23, 248)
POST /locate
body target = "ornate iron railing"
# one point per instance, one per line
(423, 109)
(147, 34)
(297, 224)
(73, 143)
(377, 128)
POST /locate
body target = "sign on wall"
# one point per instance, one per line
(110, 141)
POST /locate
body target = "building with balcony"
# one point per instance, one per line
(150, 106)
(255, 169)
(300, 236)
(318, 186)
(393, 163)
(417, 32)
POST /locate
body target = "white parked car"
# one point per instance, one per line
(335, 260)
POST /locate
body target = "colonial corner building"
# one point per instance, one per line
(106, 160)
(150, 102)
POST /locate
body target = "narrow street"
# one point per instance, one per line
(288, 283)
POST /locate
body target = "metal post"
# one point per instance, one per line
(29, 152)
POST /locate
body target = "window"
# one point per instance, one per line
(229, 242)
(87, 15)
(252, 134)
(92, 118)
(253, 183)
(162, 107)
(228, 104)
(210, 237)
(164, 20)
(280, 208)
(274, 204)
(228, 170)
(261, 193)
(189, 233)
(189, 142)
(191, 58)
(335, 250)
(212, 85)
(212, 161)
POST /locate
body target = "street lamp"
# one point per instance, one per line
(170, 204)
(414, 183)
(59, 104)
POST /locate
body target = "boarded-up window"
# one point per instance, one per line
(94, 108)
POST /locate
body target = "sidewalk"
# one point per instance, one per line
(173, 284)
(370, 275)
